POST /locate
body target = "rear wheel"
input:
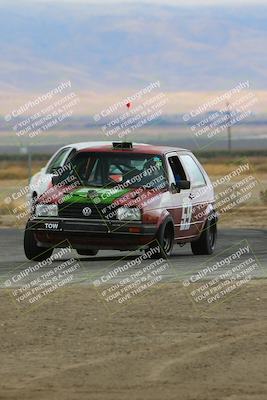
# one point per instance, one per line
(31, 250)
(87, 252)
(207, 240)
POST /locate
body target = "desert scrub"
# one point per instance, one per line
(263, 196)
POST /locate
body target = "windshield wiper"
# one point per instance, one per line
(93, 185)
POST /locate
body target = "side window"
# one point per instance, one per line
(56, 161)
(177, 169)
(70, 156)
(194, 172)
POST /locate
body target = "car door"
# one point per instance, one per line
(181, 206)
(199, 191)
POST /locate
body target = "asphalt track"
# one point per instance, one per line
(181, 266)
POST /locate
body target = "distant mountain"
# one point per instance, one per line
(83, 123)
(103, 48)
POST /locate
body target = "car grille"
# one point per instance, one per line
(76, 211)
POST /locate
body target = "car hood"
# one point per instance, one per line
(100, 196)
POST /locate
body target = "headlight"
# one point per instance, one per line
(130, 214)
(46, 210)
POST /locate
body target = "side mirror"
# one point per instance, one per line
(182, 185)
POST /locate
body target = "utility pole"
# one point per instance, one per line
(26, 150)
(229, 128)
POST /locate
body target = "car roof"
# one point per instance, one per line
(106, 146)
(87, 145)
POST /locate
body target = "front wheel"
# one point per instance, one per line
(163, 244)
(31, 250)
(207, 240)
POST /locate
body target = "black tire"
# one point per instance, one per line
(33, 202)
(164, 240)
(87, 252)
(207, 240)
(31, 250)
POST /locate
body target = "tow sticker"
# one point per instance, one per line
(51, 225)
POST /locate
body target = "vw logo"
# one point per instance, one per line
(86, 211)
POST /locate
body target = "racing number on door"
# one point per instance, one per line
(186, 217)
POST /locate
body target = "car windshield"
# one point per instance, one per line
(130, 170)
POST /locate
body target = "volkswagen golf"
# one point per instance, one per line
(125, 196)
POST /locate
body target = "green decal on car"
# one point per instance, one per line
(94, 195)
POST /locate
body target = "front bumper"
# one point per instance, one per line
(96, 234)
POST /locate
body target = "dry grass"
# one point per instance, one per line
(18, 169)
(222, 166)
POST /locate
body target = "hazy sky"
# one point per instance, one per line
(172, 2)
(111, 51)
(162, 2)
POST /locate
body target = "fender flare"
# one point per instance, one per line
(210, 213)
(164, 219)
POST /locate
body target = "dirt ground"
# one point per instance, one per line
(159, 347)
